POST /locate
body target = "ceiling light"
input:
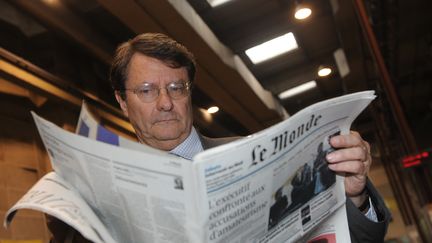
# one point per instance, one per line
(215, 3)
(297, 90)
(302, 12)
(213, 109)
(324, 71)
(272, 48)
(51, 2)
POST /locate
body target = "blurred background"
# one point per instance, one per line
(55, 53)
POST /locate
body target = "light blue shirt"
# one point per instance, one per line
(371, 213)
(189, 147)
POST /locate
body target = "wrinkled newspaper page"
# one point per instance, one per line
(52, 195)
(139, 197)
(275, 186)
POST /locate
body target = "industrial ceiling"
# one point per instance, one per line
(69, 43)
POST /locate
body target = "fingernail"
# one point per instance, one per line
(336, 139)
(330, 157)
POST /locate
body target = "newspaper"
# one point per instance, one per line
(272, 186)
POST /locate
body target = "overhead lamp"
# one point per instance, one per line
(272, 48)
(215, 3)
(51, 2)
(302, 12)
(324, 71)
(297, 90)
(213, 109)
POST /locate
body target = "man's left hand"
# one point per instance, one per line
(353, 158)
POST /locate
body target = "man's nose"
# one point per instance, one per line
(164, 101)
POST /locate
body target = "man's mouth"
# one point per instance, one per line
(166, 121)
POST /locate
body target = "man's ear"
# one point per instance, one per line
(122, 102)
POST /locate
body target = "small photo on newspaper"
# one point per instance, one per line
(310, 178)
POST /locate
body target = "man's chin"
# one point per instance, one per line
(168, 131)
(167, 134)
(167, 137)
(168, 141)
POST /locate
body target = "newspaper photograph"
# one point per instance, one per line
(272, 186)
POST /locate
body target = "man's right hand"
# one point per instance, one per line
(62, 232)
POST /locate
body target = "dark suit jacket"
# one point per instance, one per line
(361, 228)
(277, 210)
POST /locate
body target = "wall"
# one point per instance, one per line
(22, 163)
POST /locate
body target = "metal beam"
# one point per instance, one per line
(219, 81)
(24, 74)
(59, 17)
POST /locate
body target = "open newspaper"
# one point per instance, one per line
(272, 186)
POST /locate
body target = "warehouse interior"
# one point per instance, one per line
(56, 53)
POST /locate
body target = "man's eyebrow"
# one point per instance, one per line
(145, 83)
(179, 80)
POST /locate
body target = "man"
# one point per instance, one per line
(152, 77)
(278, 208)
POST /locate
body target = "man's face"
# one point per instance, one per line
(165, 122)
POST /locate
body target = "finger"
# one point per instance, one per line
(350, 140)
(353, 153)
(352, 167)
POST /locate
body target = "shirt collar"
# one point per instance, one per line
(189, 147)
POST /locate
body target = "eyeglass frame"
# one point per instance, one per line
(187, 85)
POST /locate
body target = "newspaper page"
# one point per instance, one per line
(52, 195)
(275, 186)
(139, 196)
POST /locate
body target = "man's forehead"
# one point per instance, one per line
(151, 70)
(139, 58)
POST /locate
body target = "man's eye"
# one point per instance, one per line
(145, 91)
(176, 87)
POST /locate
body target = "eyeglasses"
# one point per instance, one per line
(148, 92)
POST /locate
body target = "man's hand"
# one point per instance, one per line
(353, 158)
(62, 232)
